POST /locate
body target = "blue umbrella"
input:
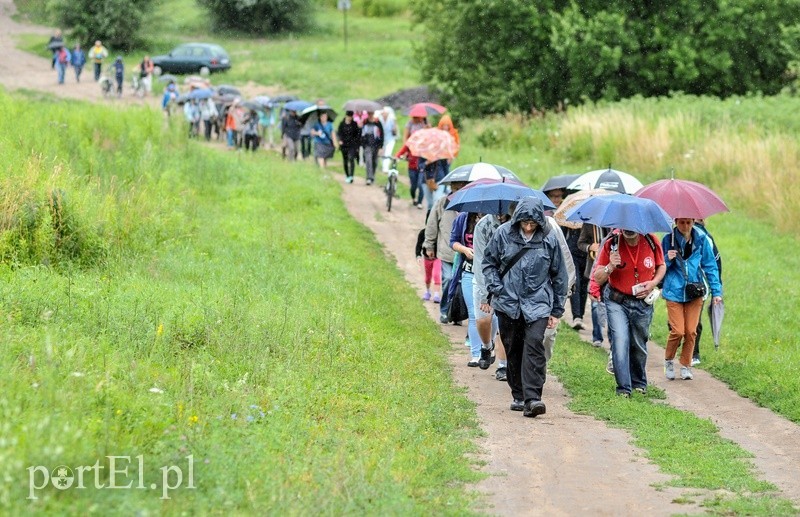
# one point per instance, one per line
(622, 211)
(494, 197)
(202, 93)
(297, 106)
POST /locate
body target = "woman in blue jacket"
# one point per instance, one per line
(689, 258)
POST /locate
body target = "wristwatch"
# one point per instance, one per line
(608, 271)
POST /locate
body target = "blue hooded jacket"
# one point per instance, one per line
(701, 262)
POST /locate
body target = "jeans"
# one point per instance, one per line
(415, 180)
(432, 197)
(61, 69)
(472, 329)
(629, 326)
(527, 364)
(599, 321)
(447, 276)
(78, 70)
(231, 142)
(98, 68)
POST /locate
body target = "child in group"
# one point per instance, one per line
(432, 268)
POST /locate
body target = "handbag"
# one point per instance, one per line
(431, 183)
(457, 311)
(693, 290)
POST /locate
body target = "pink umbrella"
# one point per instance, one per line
(683, 198)
(432, 144)
(423, 109)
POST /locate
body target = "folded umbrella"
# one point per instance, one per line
(622, 211)
(573, 200)
(432, 144)
(608, 179)
(683, 198)
(476, 171)
(493, 197)
(717, 314)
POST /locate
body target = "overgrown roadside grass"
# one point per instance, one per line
(252, 339)
(680, 443)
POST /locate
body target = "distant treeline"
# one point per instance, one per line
(494, 56)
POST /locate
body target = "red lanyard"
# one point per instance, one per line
(634, 259)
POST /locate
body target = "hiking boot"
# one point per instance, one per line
(486, 358)
(517, 405)
(695, 361)
(686, 373)
(577, 323)
(501, 374)
(474, 362)
(669, 369)
(534, 408)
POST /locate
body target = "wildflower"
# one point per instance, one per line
(119, 412)
(193, 419)
(160, 330)
(77, 374)
(155, 389)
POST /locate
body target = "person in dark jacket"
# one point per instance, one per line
(349, 135)
(290, 130)
(119, 74)
(372, 142)
(526, 277)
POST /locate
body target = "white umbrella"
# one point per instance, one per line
(608, 179)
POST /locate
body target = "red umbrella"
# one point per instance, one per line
(432, 144)
(683, 198)
(423, 109)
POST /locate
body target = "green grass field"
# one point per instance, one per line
(189, 291)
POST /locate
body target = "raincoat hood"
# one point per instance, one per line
(529, 209)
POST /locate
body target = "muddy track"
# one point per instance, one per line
(558, 464)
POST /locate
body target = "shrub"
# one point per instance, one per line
(260, 17)
(115, 22)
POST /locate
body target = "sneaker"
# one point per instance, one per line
(640, 391)
(695, 361)
(426, 296)
(348, 179)
(624, 394)
(669, 370)
(534, 408)
(369, 182)
(517, 405)
(437, 298)
(474, 362)
(443, 318)
(597, 344)
(610, 366)
(485, 360)
(501, 375)
(577, 323)
(686, 373)
(419, 206)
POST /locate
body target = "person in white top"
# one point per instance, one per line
(389, 123)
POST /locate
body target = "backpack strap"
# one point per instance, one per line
(515, 259)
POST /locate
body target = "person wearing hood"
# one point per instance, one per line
(119, 74)
(526, 277)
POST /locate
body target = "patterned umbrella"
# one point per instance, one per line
(432, 144)
(423, 109)
(573, 200)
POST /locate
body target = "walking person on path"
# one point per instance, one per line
(290, 134)
(689, 260)
(485, 319)
(325, 143)
(372, 142)
(700, 225)
(629, 259)
(119, 74)
(349, 136)
(97, 54)
(63, 58)
(389, 126)
(78, 60)
(52, 44)
(461, 241)
(527, 281)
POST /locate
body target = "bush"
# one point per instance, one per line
(115, 22)
(260, 17)
(382, 8)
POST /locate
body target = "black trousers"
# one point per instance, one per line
(305, 146)
(527, 366)
(349, 156)
(581, 292)
(98, 68)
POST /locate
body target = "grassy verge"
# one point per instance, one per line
(681, 444)
(249, 339)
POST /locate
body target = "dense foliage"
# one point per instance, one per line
(498, 55)
(115, 22)
(260, 17)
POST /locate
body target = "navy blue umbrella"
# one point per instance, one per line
(297, 106)
(493, 197)
(622, 211)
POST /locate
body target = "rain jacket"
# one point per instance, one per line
(536, 286)
(700, 262)
(438, 228)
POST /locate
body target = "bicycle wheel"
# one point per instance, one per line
(391, 186)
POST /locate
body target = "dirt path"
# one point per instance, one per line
(562, 464)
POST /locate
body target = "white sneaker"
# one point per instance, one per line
(686, 373)
(597, 344)
(669, 370)
(695, 361)
(577, 323)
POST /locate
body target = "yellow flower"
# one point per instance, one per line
(193, 419)
(160, 330)
(119, 412)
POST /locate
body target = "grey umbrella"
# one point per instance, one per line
(362, 105)
(55, 44)
(717, 314)
(167, 78)
(557, 182)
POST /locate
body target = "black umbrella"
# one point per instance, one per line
(285, 97)
(557, 182)
(311, 114)
(226, 88)
(252, 105)
(55, 44)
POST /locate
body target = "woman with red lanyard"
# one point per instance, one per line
(629, 267)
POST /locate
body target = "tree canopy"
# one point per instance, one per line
(260, 17)
(115, 22)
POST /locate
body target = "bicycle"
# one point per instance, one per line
(391, 185)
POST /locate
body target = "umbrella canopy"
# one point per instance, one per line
(362, 105)
(264, 100)
(432, 144)
(423, 109)
(717, 314)
(622, 211)
(311, 114)
(608, 179)
(202, 93)
(252, 105)
(225, 99)
(295, 105)
(284, 97)
(557, 182)
(167, 78)
(683, 198)
(181, 100)
(493, 197)
(573, 200)
(227, 88)
(476, 171)
(55, 44)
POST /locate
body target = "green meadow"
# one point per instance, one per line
(165, 299)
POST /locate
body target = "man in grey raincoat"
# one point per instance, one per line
(526, 277)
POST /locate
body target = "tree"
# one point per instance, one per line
(260, 17)
(115, 22)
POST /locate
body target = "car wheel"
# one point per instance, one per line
(157, 71)
(204, 71)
